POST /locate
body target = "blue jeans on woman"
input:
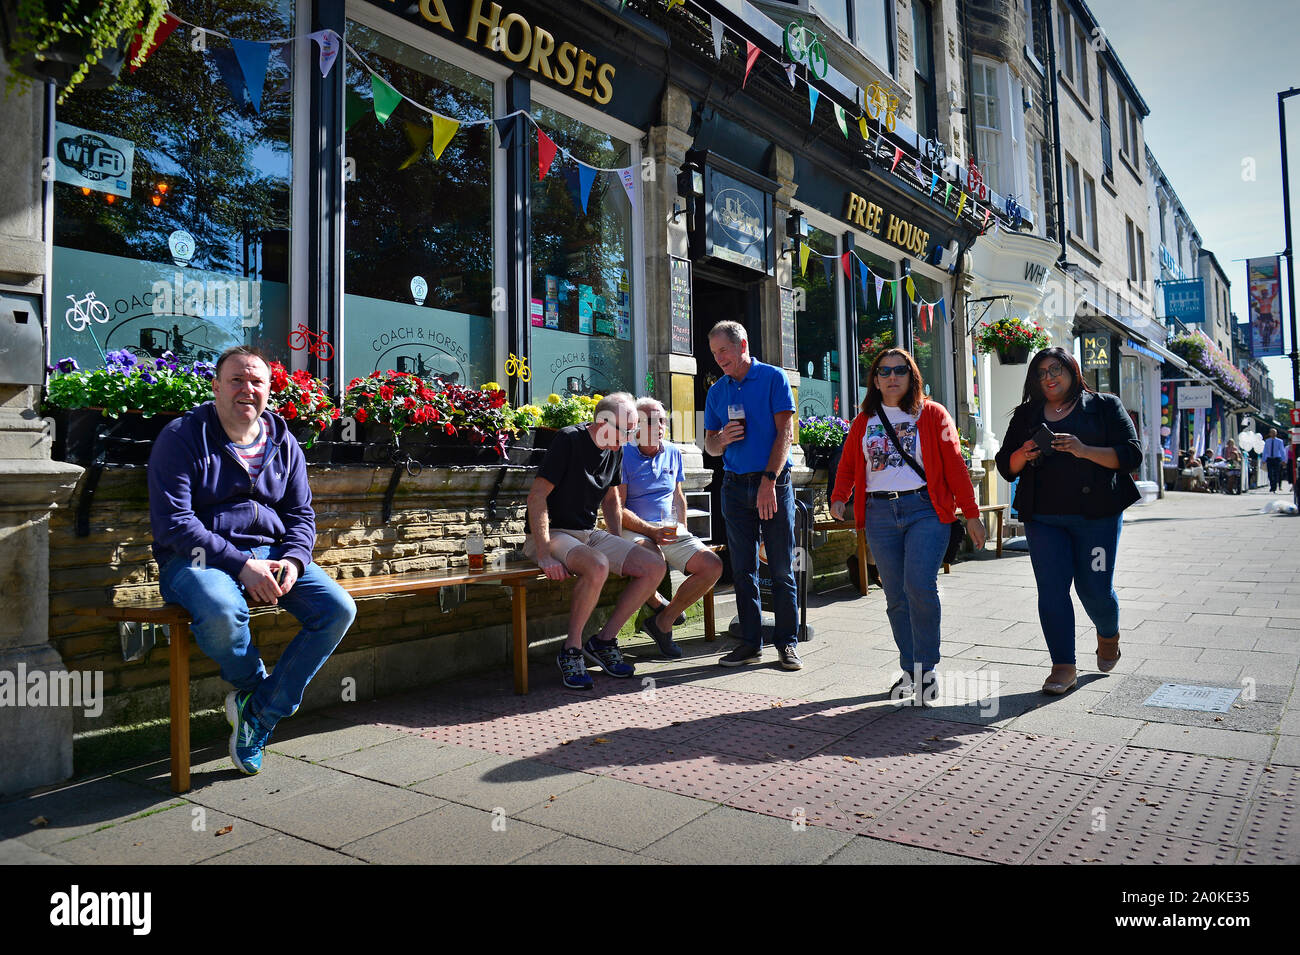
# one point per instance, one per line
(740, 513)
(217, 603)
(1071, 548)
(907, 542)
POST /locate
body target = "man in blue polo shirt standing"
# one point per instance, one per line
(749, 421)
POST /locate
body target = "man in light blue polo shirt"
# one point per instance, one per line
(1274, 458)
(749, 421)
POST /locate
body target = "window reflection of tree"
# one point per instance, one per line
(875, 322)
(925, 341)
(817, 326)
(227, 168)
(433, 218)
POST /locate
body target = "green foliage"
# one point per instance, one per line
(149, 387)
(95, 25)
(1011, 333)
(823, 432)
(560, 412)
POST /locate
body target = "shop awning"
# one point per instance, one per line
(1146, 346)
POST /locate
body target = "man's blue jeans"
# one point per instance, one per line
(1274, 466)
(740, 513)
(216, 602)
(1071, 548)
(907, 542)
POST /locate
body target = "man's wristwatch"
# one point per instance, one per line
(770, 475)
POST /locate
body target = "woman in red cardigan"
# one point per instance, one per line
(906, 489)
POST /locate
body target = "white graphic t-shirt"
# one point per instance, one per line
(886, 469)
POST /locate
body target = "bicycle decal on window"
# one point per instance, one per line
(316, 343)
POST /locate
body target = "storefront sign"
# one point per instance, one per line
(680, 304)
(1185, 301)
(511, 36)
(93, 160)
(882, 224)
(788, 358)
(1096, 350)
(428, 342)
(737, 221)
(1192, 397)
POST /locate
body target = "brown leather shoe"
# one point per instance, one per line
(1061, 680)
(1107, 652)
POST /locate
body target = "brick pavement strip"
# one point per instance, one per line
(758, 765)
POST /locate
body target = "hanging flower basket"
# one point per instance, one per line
(1012, 339)
(1014, 355)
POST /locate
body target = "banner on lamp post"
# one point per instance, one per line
(1263, 277)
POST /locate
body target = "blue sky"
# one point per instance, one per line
(1210, 73)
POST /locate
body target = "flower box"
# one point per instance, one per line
(82, 434)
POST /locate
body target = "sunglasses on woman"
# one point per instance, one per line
(887, 371)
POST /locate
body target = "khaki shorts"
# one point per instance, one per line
(563, 540)
(677, 554)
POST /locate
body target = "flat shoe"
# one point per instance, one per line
(681, 617)
(1061, 680)
(1107, 652)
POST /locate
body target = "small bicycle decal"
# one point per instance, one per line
(518, 367)
(316, 343)
(802, 45)
(78, 318)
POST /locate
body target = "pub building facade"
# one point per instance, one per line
(618, 182)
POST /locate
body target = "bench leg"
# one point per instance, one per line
(863, 578)
(180, 707)
(519, 623)
(947, 569)
(710, 627)
(999, 550)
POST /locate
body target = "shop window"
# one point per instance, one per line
(1089, 210)
(872, 33)
(924, 99)
(817, 330)
(582, 266)
(418, 263)
(988, 122)
(186, 248)
(928, 343)
(877, 329)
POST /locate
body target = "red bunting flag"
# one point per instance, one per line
(169, 23)
(751, 57)
(898, 154)
(844, 260)
(546, 149)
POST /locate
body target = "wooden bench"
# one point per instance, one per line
(862, 546)
(1001, 511)
(515, 576)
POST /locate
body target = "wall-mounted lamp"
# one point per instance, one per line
(796, 230)
(690, 186)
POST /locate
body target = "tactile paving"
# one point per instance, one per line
(1205, 774)
(601, 755)
(1272, 832)
(761, 741)
(902, 733)
(705, 699)
(820, 799)
(862, 762)
(820, 717)
(1132, 808)
(1070, 847)
(1049, 752)
(697, 773)
(963, 827)
(1016, 787)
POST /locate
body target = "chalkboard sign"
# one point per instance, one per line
(680, 305)
(788, 358)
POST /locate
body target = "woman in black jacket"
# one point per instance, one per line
(1072, 449)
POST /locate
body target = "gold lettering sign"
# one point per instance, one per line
(900, 232)
(512, 37)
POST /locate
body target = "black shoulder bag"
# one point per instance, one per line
(956, 533)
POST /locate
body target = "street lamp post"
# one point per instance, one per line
(1290, 264)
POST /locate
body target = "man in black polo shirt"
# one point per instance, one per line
(581, 472)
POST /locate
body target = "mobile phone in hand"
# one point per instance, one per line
(1043, 438)
(281, 574)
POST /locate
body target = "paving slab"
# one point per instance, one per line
(183, 835)
(503, 781)
(1208, 742)
(279, 849)
(570, 850)
(617, 813)
(732, 837)
(406, 760)
(1260, 715)
(452, 835)
(42, 819)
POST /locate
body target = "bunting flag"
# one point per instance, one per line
(844, 260)
(586, 176)
(898, 154)
(546, 150)
(889, 287)
(862, 128)
(751, 57)
(946, 193)
(627, 176)
(880, 288)
(385, 98)
(863, 273)
(444, 128)
(505, 131)
(252, 57)
(354, 107)
(962, 204)
(419, 135)
(169, 23)
(943, 311)
(328, 41)
(988, 211)
(828, 266)
(934, 182)
(228, 68)
(840, 118)
(716, 26)
(803, 259)
(911, 289)
(812, 102)
(789, 74)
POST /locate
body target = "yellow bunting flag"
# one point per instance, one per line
(911, 289)
(419, 137)
(443, 131)
(962, 204)
(803, 258)
(862, 126)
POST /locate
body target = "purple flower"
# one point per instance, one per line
(145, 376)
(68, 365)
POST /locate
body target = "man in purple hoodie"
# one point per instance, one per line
(233, 524)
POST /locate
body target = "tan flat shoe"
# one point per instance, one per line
(1107, 652)
(1061, 680)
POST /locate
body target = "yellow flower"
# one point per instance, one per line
(489, 386)
(552, 399)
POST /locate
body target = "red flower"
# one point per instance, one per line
(279, 377)
(449, 428)
(386, 392)
(289, 411)
(408, 402)
(361, 415)
(335, 415)
(431, 413)
(353, 383)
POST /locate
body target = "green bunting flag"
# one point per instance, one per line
(386, 98)
(839, 118)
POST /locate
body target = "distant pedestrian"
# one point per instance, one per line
(902, 464)
(1274, 457)
(1072, 450)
